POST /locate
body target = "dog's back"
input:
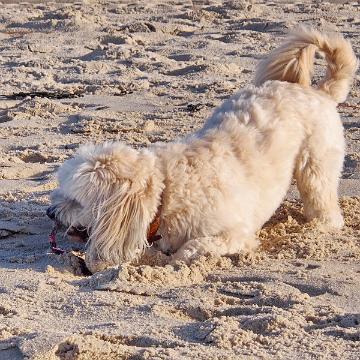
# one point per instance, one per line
(293, 62)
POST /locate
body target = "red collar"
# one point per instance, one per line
(154, 227)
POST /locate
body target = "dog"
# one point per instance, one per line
(213, 190)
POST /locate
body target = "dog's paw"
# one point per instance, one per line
(334, 221)
(186, 256)
(330, 221)
(95, 264)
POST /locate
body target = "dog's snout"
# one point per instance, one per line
(51, 212)
(79, 233)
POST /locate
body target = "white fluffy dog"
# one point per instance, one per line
(211, 192)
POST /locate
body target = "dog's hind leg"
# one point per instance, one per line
(216, 245)
(317, 175)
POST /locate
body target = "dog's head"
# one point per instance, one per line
(110, 193)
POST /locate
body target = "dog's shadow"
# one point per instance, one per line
(24, 241)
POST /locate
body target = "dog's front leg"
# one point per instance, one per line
(215, 245)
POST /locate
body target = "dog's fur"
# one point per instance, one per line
(217, 187)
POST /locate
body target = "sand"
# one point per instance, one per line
(142, 72)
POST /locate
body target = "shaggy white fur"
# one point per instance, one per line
(218, 186)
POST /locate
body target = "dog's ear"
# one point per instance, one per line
(119, 230)
(122, 186)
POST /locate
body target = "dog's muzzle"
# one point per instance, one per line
(78, 233)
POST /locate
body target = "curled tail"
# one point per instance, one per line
(294, 62)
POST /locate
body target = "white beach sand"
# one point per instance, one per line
(141, 72)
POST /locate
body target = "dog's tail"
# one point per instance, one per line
(294, 61)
